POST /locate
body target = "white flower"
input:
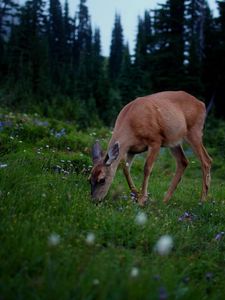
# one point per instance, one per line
(134, 272)
(164, 245)
(96, 281)
(141, 218)
(90, 238)
(2, 166)
(54, 239)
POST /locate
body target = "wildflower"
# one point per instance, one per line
(96, 281)
(133, 196)
(187, 216)
(141, 218)
(219, 236)
(2, 166)
(163, 295)
(53, 239)
(209, 276)
(134, 272)
(164, 245)
(40, 123)
(90, 238)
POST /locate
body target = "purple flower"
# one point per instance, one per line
(163, 295)
(187, 216)
(219, 236)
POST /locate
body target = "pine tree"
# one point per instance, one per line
(27, 56)
(219, 61)
(126, 83)
(8, 11)
(143, 52)
(196, 13)
(209, 66)
(56, 43)
(68, 33)
(168, 59)
(116, 50)
(83, 51)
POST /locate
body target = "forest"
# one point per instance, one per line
(52, 63)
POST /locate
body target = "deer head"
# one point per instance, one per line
(103, 170)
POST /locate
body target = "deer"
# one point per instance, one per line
(146, 124)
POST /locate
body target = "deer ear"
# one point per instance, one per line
(112, 154)
(96, 152)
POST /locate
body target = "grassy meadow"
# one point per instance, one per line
(57, 244)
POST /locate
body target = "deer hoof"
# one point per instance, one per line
(165, 201)
(142, 200)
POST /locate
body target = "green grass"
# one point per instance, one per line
(44, 194)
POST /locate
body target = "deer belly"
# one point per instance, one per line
(137, 149)
(173, 137)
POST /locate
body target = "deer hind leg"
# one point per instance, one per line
(182, 163)
(151, 157)
(126, 170)
(195, 141)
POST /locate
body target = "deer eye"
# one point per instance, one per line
(102, 181)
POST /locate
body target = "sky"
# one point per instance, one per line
(102, 14)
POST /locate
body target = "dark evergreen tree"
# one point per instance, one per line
(56, 43)
(195, 43)
(126, 83)
(98, 80)
(83, 50)
(8, 11)
(116, 50)
(168, 58)
(209, 63)
(27, 54)
(68, 33)
(219, 61)
(143, 56)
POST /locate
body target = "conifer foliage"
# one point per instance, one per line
(52, 58)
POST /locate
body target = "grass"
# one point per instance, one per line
(56, 244)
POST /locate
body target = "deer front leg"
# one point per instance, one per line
(151, 157)
(126, 170)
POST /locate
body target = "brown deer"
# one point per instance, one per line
(160, 120)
